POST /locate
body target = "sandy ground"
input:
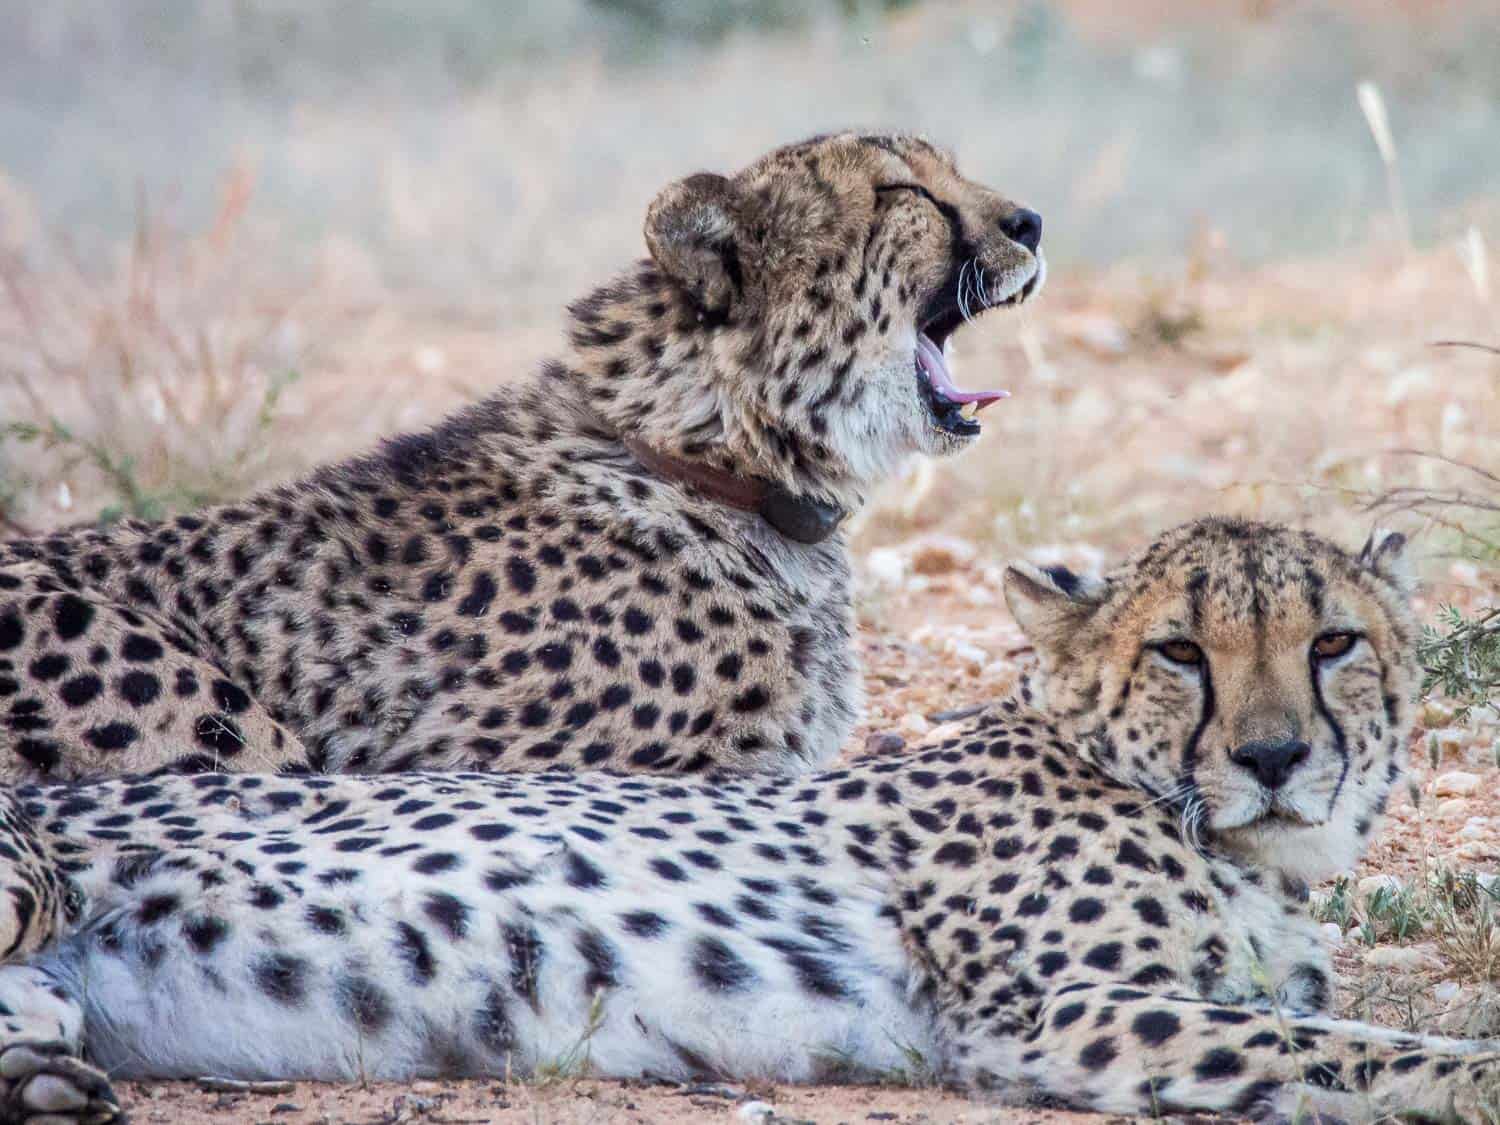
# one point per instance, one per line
(574, 1103)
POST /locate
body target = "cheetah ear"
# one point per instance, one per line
(1385, 554)
(690, 231)
(1050, 603)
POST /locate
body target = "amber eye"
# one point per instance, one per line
(1181, 652)
(1330, 645)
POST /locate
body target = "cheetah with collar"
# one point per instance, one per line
(1094, 894)
(631, 561)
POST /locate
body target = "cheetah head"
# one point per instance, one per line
(1258, 679)
(812, 297)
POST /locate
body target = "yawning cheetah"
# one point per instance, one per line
(632, 560)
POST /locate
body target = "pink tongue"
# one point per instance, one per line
(935, 367)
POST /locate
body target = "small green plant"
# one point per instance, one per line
(1460, 657)
(1338, 906)
(132, 498)
(577, 1060)
(1394, 914)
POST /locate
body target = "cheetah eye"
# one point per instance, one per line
(1331, 645)
(1181, 652)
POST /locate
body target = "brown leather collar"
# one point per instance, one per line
(799, 518)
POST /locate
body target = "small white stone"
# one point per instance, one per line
(1455, 783)
(430, 360)
(1452, 807)
(1332, 934)
(1476, 829)
(969, 654)
(1401, 957)
(1446, 991)
(756, 1111)
(978, 595)
(885, 566)
(945, 730)
(915, 724)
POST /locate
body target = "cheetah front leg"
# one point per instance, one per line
(1122, 1050)
(42, 1079)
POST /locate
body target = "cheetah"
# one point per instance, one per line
(632, 561)
(1095, 894)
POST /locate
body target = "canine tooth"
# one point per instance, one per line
(968, 410)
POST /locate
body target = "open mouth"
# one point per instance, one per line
(954, 410)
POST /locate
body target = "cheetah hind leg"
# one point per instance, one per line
(1125, 1050)
(42, 1079)
(36, 898)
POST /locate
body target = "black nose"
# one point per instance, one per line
(1023, 226)
(1271, 762)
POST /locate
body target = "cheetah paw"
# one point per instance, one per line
(45, 1083)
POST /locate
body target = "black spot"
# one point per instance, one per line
(436, 863)
(1155, 1027)
(1150, 911)
(448, 912)
(71, 618)
(327, 921)
(154, 908)
(141, 649)
(230, 697)
(718, 967)
(81, 690)
(12, 632)
(282, 977)
(139, 688)
(219, 734)
(1068, 1015)
(111, 736)
(205, 933)
(414, 951)
(1105, 956)
(816, 974)
(603, 961)
(1086, 910)
(526, 951)
(644, 923)
(492, 1025)
(1098, 1054)
(482, 593)
(363, 1003)
(583, 874)
(1221, 1062)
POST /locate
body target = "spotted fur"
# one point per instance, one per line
(1011, 907)
(512, 589)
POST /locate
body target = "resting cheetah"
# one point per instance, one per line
(631, 561)
(1069, 900)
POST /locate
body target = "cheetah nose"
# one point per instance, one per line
(1023, 226)
(1271, 762)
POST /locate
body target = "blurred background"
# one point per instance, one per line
(242, 236)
